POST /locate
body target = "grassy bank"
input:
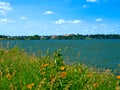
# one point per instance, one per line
(20, 71)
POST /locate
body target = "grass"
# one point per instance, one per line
(20, 71)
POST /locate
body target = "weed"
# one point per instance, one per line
(21, 71)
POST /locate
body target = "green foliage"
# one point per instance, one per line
(20, 71)
(62, 37)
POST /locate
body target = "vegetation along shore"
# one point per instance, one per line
(21, 71)
(61, 37)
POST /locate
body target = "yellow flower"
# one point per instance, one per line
(62, 68)
(118, 77)
(8, 76)
(29, 86)
(63, 74)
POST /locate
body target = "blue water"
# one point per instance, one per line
(103, 53)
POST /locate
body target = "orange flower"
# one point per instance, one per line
(62, 68)
(63, 74)
(8, 76)
(118, 77)
(45, 65)
(95, 85)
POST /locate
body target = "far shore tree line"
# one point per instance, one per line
(61, 37)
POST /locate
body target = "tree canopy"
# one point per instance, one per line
(61, 37)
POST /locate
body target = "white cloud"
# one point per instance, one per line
(48, 12)
(85, 6)
(98, 19)
(5, 20)
(62, 21)
(23, 18)
(76, 21)
(103, 24)
(91, 1)
(4, 7)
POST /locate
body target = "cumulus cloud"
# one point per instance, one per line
(98, 19)
(4, 7)
(62, 21)
(5, 20)
(91, 1)
(76, 21)
(23, 18)
(48, 12)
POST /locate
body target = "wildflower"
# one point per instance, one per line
(42, 66)
(118, 77)
(8, 76)
(63, 74)
(29, 86)
(53, 80)
(43, 73)
(62, 68)
(95, 85)
(13, 73)
(45, 65)
(32, 84)
(42, 82)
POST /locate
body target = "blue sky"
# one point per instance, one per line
(59, 17)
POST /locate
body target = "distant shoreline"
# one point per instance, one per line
(61, 37)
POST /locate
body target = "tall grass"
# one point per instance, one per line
(20, 71)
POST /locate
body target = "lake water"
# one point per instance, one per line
(103, 53)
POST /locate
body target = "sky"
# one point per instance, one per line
(59, 17)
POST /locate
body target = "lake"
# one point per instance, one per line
(103, 53)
